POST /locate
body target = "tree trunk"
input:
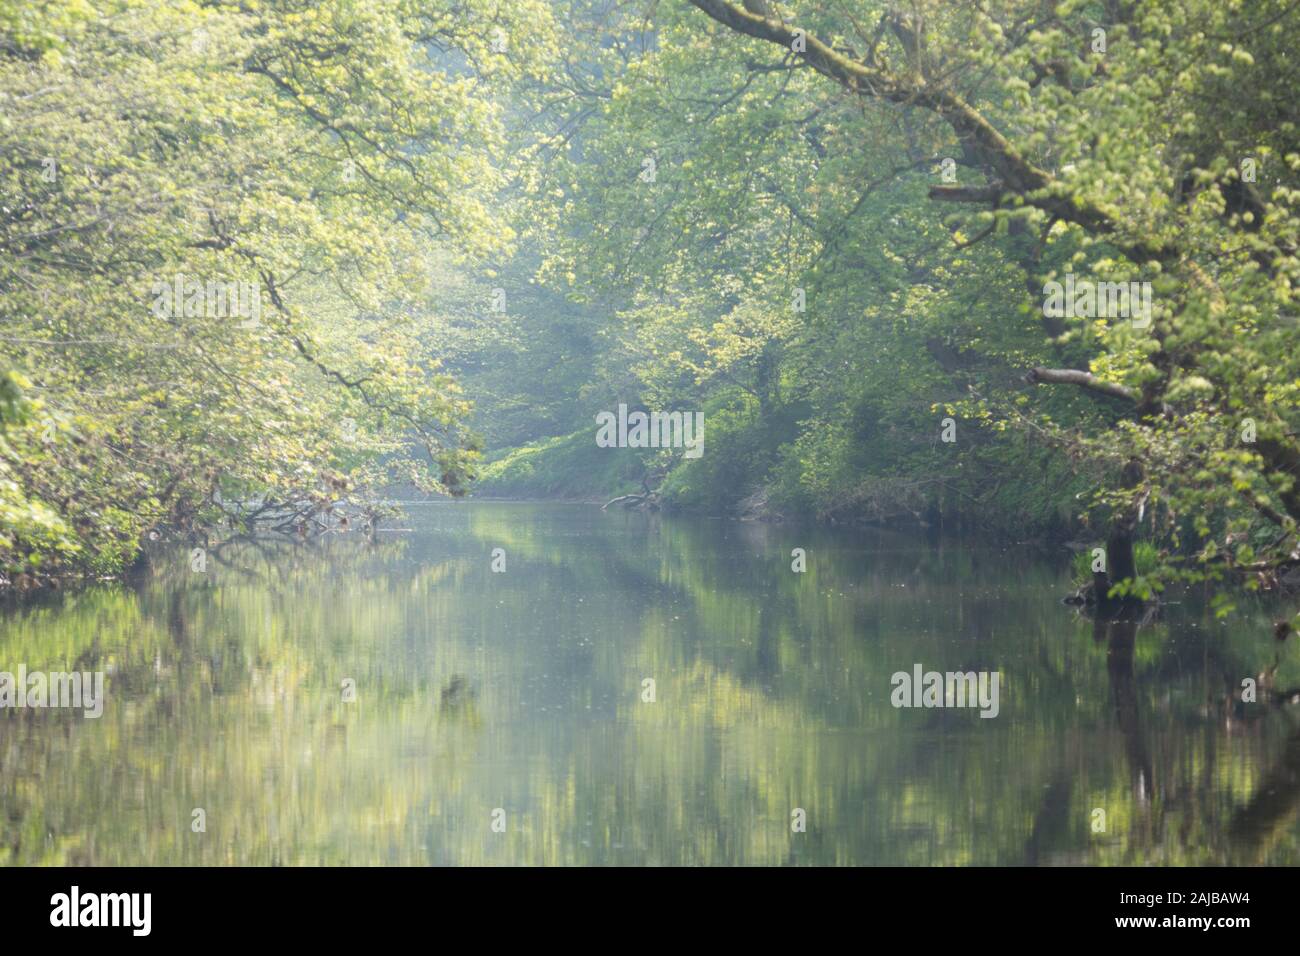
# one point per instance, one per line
(1119, 553)
(1120, 563)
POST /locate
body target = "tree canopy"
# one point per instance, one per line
(320, 157)
(840, 229)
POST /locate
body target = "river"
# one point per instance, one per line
(637, 689)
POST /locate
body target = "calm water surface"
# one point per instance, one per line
(523, 691)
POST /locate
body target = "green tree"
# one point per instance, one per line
(1117, 134)
(324, 156)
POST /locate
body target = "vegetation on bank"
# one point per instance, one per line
(836, 231)
(833, 229)
(221, 229)
(751, 472)
(569, 467)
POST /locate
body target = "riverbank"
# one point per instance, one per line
(1040, 505)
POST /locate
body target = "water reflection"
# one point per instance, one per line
(522, 692)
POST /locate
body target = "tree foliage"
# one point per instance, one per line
(833, 227)
(916, 177)
(322, 154)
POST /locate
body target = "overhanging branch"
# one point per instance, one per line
(1074, 376)
(1014, 172)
